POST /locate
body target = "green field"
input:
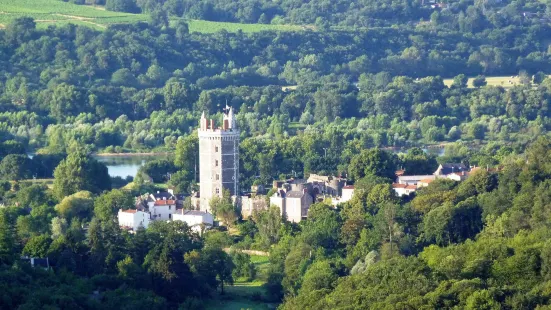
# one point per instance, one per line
(56, 12)
(241, 294)
(502, 81)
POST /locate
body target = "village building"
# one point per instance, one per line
(424, 183)
(132, 219)
(162, 210)
(152, 198)
(250, 203)
(197, 220)
(413, 179)
(403, 189)
(326, 185)
(293, 204)
(445, 169)
(347, 193)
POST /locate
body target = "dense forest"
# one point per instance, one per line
(360, 78)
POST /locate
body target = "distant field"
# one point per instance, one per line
(50, 12)
(492, 81)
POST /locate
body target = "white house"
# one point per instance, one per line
(347, 193)
(403, 189)
(162, 210)
(194, 219)
(132, 219)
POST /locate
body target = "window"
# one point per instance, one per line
(216, 163)
(218, 191)
(170, 216)
(170, 207)
(216, 149)
(217, 177)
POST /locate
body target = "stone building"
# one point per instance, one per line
(218, 158)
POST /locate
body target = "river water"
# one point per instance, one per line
(126, 165)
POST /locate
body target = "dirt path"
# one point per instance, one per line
(75, 17)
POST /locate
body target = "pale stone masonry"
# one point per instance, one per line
(218, 158)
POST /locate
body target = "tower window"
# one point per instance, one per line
(217, 177)
(216, 163)
(218, 191)
(216, 149)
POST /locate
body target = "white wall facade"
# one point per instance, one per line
(133, 219)
(293, 209)
(347, 194)
(162, 212)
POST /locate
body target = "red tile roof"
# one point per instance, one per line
(411, 187)
(426, 181)
(165, 202)
(349, 187)
(130, 211)
(398, 185)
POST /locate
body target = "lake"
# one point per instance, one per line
(126, 165)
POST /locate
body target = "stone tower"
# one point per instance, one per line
(218, 158)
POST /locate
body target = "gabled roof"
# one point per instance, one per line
(451, 168)
(163, 195)
(165, 202)
(398, 185)
(426, 181)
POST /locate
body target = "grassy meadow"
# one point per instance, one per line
(244, 294)
(56, 12)
(502, 81)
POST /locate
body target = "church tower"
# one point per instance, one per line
(218, 158)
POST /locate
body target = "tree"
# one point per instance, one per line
(539, 77)
(479, 81)
(223, 208)
(128, 6)
(460, 81)
(78, 205)
(80, 172)
(109, 203)
(417, 162)
(15, 167)
(123, 77)
(222, 265)
(106, 245)
(268, 223)
(322, 227)
(320, 275)
(182, 31)
(37, 246)
(8, 243)
(165, 260)
(243, 267)
(373, 162)
(20, 30)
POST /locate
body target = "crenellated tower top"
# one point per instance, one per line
(228, 122)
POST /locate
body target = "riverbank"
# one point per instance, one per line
(131, 154)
